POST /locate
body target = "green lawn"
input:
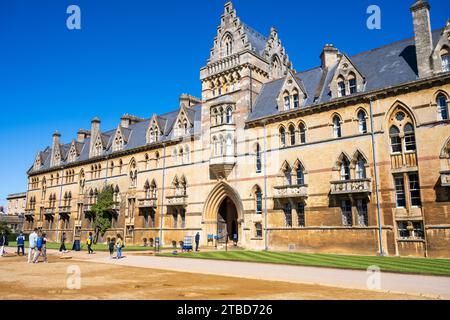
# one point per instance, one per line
(438, 267)
(96, 247)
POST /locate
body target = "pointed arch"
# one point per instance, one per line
(212, 204)
(445, 151)
(395, 107)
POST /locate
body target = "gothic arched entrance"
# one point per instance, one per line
(223, 214)
(227, 221)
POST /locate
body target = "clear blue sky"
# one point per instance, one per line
(137, 57)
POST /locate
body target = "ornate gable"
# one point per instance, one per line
(38, 161)
(182, 124)
(277, 56)
(154, 130)
(73, 152)
(292, 94)
(119, 140)
(233, 37)
(56, 155)
(98, 146)
(441, 53)
(347, 78)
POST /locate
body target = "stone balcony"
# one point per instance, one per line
(65, 209)
(147, 203)
(50, 211)
(177, 201)
(291, 192)
(445, 178)
(221, 166)
(351, 186)
(87, 207)
(30, 212)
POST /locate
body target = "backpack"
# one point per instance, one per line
(39, 243)
(89, 241)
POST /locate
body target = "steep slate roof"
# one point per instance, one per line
(135, 136)
(383, 67)
(256, 39)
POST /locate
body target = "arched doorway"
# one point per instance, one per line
(223, 214)
(227, 221)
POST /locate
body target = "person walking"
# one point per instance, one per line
(39, 243)
(62, 248)
(197, 241)
(44, 248)
(32, 239)
(89, 243)
(111, 244)
(20, 244)
(119, 246)
(3, 243)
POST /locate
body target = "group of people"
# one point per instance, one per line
(37, 246)
(117, 244)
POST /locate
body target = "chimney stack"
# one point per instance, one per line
(188, 100)
(329, 56)
(56, 138)
(95, 129)
(82, 135)
(422, 33)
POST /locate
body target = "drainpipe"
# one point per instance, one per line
(375, 162)
(59, 205)
(266, 240)
(162, 198)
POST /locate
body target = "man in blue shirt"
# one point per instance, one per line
(20, 244)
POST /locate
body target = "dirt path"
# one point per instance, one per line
(114, 280)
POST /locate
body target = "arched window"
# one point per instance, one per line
(288, 214)
(287, 101)
(296, 98)
(229, 117)
(227, 45)
(229, 147)
(352, 83)
(276, 67)
(288, 176)
(258, 159)
(302, 129)
(215, 146)
(361, 168)
(259, 201)
(282, 137)
(396, 141)
(292, 135)
(345, 169)
(300, 175)
(337, 127)
(181, 155)
(445, 62)
(442, 106)
(410, 138)
(341, 87)
(362, 122)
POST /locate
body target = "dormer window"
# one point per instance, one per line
(445, 62)
(352, 85)
(341, 88)
(296, 101)
(287, 103)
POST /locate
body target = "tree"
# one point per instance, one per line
(5, 228)
(102, 211)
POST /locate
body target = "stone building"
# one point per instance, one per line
(352, 156)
